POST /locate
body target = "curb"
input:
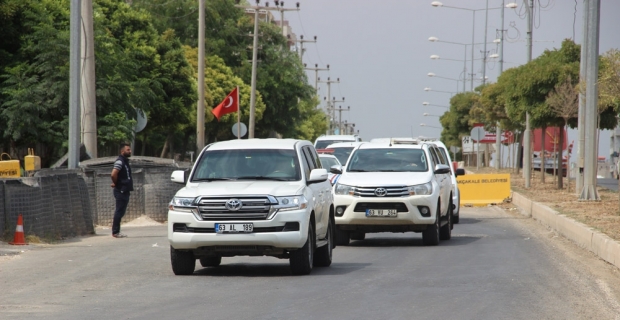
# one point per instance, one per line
(600, 244)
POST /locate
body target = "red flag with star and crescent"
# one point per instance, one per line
(230, 104)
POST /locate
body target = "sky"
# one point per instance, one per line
(381, 53)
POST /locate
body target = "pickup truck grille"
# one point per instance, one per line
(248, 208)
(400, 191)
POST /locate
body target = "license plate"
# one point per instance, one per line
(234, 227)
(381, 212)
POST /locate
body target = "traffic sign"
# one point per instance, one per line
(477, 133)
(243, 129)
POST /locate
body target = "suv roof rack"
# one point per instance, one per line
(404, 141)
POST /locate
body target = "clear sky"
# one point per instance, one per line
(381, 53)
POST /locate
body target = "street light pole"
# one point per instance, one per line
(301, 45)
(340, 117)
(280, 7)
(527, 135)
(329, 107)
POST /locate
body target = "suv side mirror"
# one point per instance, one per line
(178, 176)
(442, 169)
(335, 169)
(317, 175)
(460, 172)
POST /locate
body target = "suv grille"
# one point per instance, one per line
(250, 208)
(400, 191)
(362, 206)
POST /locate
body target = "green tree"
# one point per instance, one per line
(457, 122)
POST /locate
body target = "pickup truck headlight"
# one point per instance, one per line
(344, 189)
(182, 204)
(421, 189)
(291, 203)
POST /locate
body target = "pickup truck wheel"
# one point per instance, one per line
(445, 232)
(210, 261)
(342, 237)
(430, 236)
(301, 260)
(183, 262)
(323, 257)
(358, 235)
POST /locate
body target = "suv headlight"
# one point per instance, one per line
(181, 204)
(421, 189)
(344, 189)
(291, 203)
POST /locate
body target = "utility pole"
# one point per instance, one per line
(340, 117)
(589, 191)
(280, 7)
(73, 159)
(581, 117)
(328, 107)
(252, 119)
(301, 46)
(484, 54)
(527, 135)
(87, 89)
(332, 113)
(316, 75)
(200, 108)
(498, 131)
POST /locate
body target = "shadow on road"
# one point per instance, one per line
(274, 270)
(457, 240)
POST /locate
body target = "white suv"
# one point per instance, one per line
(258, 197)
(397, 186)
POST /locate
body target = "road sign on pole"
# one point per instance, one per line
(477, 133)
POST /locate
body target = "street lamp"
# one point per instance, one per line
(430, 74)
(429, 89)
(473, 31)
(426, 125)
(425, 103)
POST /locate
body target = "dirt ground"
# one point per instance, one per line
(603, 215)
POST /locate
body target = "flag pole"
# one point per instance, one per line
(238, 115)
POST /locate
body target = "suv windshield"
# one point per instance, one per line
(388, 160)
(250, 164)
(322, 144)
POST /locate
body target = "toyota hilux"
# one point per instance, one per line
(396, 186)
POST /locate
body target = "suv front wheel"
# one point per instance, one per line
(301, 260)
(183, 262)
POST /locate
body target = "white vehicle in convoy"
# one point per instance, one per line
(323, 141)
(398, 186)
(328, 161)
(454, 172)
(257, 197)
(342, 150)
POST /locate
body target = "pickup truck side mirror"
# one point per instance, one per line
(335, 169)
(178, 176)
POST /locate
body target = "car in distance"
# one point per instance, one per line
(330, 161)
(257, 197)
(398, 186)
(323, 141)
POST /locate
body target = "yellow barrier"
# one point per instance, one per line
(9, 168)
(483, 189)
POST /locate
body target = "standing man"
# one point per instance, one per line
(123, 185)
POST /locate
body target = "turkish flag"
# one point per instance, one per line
(229, 105)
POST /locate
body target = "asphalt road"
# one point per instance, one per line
(499, 265)
(611, 184)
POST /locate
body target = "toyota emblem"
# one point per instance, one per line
(233, 204)
(380, 192)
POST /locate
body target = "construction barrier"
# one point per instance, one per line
(483, 189)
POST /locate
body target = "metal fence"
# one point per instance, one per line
(65, 203)
(54, 206)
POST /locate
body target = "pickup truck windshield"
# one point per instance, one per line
(388, 160)
(249, 164)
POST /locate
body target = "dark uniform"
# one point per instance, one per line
(122, 190)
